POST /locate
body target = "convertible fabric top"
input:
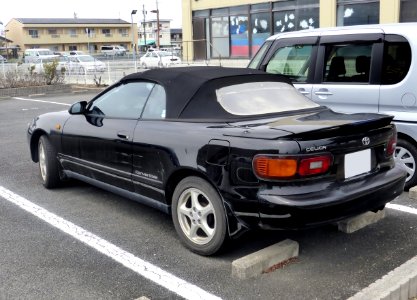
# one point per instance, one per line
(191, 90)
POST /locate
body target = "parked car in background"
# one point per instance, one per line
(222, 150)
(32, 55)
(159, 59)
(76, 52)
(113, 50)
(38, 67)
(2, 59)
(84, 64)
(370, 68)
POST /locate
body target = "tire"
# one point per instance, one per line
(144, 66)
(48, 163)
(160, 64)
(198, 215)
(406, 155)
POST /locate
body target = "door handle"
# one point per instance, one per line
(323, 92)
(123, 135)
(303, 91)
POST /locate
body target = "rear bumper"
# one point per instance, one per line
(330, 203)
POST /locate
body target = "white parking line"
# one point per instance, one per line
(402, 208)
(147, 270)
(43, 101)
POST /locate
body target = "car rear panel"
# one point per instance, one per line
(362, 177)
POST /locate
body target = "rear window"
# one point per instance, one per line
(258, 98)
(397, 59)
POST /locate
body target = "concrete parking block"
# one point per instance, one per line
(412, 193)
(254, 264)
(358, 222)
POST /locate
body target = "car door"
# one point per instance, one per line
(74, 64)
(155, 59)
(294, 58)
(347, 77)
(98, 143)
(151, 161)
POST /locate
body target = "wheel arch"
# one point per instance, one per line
(403, 136)
(34, 141)
(179, 175)
(234, 225)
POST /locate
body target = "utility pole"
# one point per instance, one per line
(133, 39)
(157, 24)
(144, 26)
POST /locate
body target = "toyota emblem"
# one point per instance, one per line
(366, 140)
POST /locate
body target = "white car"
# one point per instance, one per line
(38, 67)
(76, 52)
(83, 64)
(159, 59)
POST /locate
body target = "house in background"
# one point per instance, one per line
(176, 37)
(148, 33)
(68, 34)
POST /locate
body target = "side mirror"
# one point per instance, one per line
(78, 108)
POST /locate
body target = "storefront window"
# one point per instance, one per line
(260, 29)
(357, 12)
(308, 18)
(293, 15)
(220, 36)
(284, 21)
(239, 36)
(408, 11)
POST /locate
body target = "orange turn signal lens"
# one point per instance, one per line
(274, 167)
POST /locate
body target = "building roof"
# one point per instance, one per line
(3, 39)
(69, 21)
(176, 30)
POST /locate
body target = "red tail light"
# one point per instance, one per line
(314, 165)
(392, 144)
(287, 167)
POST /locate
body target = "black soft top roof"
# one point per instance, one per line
(183, 84)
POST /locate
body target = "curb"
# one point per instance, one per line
(399, 284)
(265, 260)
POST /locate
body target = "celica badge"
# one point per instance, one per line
(316, 148)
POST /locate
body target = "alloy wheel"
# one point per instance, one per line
(406, 159)
(196, 216)
(42, 161)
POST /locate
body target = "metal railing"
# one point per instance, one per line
(116, 68)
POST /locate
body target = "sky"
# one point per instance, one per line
(168, 9)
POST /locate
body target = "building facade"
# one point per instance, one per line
(71, 34)
(176, 37)
(148, 33)
(237, 28)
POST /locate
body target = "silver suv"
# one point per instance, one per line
(369, 68)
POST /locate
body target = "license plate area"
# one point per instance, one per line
(357, 163)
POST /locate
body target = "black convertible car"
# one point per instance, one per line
(223, 150)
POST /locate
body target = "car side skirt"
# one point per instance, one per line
(124, 193)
